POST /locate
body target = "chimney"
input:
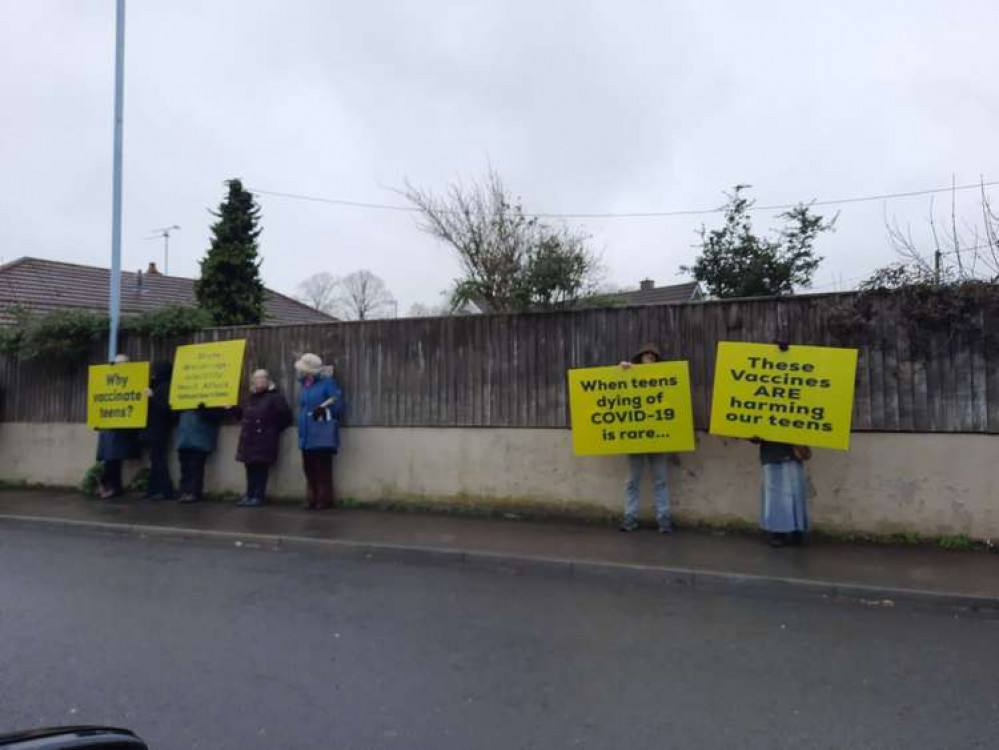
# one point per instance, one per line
(138, 280)
(645, 285)
(152, 270)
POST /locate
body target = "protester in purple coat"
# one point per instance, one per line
(264, 417)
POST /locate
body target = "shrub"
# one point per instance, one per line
(92, 479)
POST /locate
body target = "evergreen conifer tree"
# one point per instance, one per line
(230, 289)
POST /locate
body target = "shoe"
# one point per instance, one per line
(665, 527)
(253, 502)
(309, 505)
(186, 498)
(242, 501)
(630, 524)
(778, 540)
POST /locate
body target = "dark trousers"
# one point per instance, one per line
(159, 471)
(192, 472)
(111, 477)
(318, 466)
(256, 480)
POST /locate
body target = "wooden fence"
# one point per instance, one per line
(509, 370)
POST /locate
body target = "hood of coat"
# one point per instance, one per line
(161, 372)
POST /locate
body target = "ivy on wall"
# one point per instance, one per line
(66, 336)
(932, 315)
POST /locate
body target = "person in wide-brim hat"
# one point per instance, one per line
(647, 354)
(309, 364)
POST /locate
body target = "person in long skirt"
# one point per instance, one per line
(784, 493)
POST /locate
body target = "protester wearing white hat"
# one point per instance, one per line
(318, 428)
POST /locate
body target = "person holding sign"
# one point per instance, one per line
(784, 492)
(156, 436)
(318, 428)
(114, 447)
(647, 355)
(197, 436)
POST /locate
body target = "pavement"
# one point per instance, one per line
(875, 575)
(195, 644)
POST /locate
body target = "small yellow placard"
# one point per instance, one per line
(116, 395)
(802, 396)
(645, 409)
(207, 374)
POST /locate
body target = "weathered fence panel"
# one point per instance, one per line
(509, 370)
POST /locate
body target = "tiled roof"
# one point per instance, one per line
(657, 295)
(45, 285)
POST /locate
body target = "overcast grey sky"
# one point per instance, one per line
(581, 106)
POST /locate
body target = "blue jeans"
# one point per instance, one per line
(660, 487)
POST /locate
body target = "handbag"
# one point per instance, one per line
(323, 433)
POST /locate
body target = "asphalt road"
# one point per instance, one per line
(199, 646)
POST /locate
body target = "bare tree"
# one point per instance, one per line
(510, 260)
(362, 295)
(953, 251)
(319, 291)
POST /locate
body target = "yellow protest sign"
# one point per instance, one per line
(802, 396)
(207, 374)
(116, 395)
(645, 409)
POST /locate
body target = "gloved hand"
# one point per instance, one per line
(319, 413)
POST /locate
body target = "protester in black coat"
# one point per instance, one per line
(157, 433)
(264, 417)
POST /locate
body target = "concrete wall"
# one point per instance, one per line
(888, 482)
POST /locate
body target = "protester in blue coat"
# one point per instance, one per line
(114, 447)
(318, 428)
(197, 436)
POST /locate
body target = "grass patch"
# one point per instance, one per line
(956, 542)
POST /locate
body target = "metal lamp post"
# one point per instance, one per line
(119, 108)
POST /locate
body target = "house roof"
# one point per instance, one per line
(657, 295)
(42, 286)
